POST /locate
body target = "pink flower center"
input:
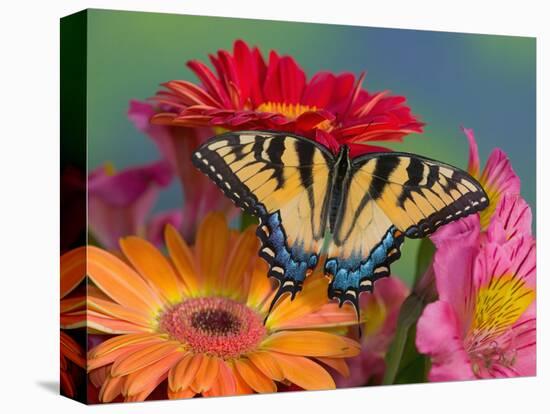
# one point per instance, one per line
(215, 325)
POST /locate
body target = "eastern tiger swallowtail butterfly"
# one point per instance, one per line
(357, 211)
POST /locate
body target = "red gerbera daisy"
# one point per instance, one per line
(248, 93)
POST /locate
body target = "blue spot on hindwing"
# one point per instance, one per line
(356, 274)
(288, 264)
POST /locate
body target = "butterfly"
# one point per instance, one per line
(357, 211)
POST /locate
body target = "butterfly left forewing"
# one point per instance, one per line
(284, 181)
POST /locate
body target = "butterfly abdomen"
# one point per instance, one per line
(340, 180)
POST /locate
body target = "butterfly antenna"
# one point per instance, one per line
(355, 304)
(278, 296)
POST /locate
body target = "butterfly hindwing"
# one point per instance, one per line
(364, 243)
(389, 196)
(284, 180)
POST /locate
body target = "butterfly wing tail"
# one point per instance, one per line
(288, 265)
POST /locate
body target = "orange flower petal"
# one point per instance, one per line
(72, 304)
(68, 342)
(184, 372)
(99, 376)
(311, 343)
(211, 248)
(153, 266)
(66, 384)
(304, 372)
(206, 374)
(241, 387)
(121, 282)
(73, 270)
(267, 364)
(147, 379)
(254, 377)
(327, 316)
(105, 324)
(71, 350)
(338, 364)
(310, 299)
(117, 311)
(178, 395)
(260, 287)
(225, 382)
(242, 254)
(126, 364)
(73, 320)
(182, 257)
(118, 342)
(106, 353)
(111, 388)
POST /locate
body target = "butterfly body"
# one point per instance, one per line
(302, 193)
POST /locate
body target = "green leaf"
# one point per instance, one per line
(412, 368)
(408, 315)
(403, 362)
(424, 258)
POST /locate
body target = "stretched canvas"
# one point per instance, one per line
(253, 206)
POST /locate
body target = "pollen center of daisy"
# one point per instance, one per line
(291, 111)
(215, 321)
(215, 325)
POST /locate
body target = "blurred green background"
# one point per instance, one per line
(483, 82)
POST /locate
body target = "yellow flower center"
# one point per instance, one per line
(291, 111)
(498, 306)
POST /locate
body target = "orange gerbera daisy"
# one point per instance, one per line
(196, 320)
(72, 316)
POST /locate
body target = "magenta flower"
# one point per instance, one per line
(119, 203)
(484, 323)
(497, 178)
(382, 309)
(176, 144)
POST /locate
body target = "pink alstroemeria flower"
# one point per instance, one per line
(176, 144)
(381, 310)
(484, 323)
(497, 178)
(119, 203)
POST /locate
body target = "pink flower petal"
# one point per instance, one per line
(125, 187)
(512, 218)
(157, 224)
(465, 232)
(499, 175)
(453, 264)
(118, 205)
(438, 335)
(473, 158)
